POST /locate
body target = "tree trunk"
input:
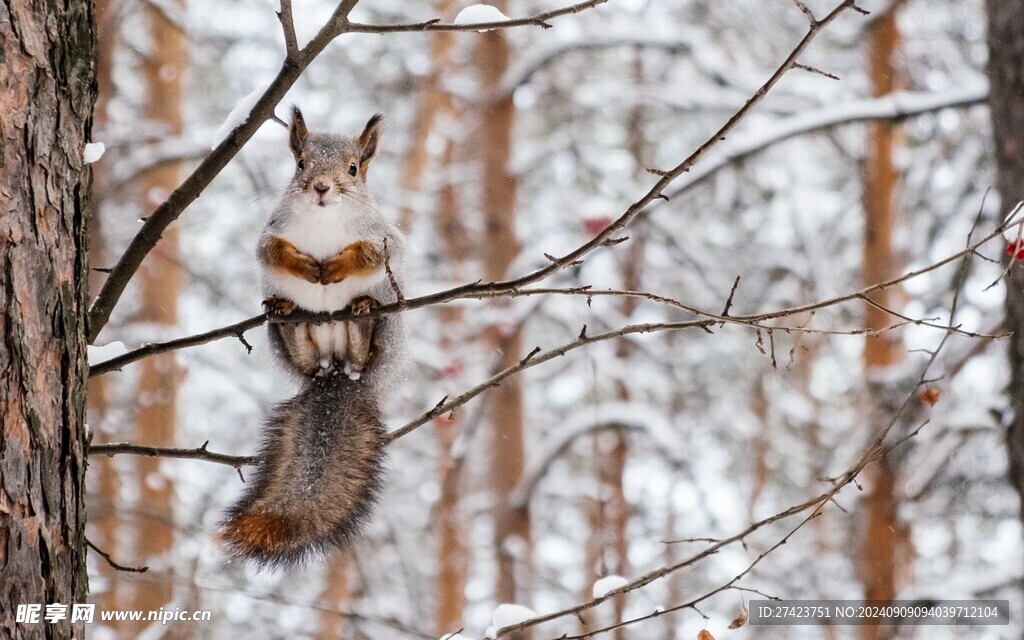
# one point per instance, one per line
(47, 90)
(434, 103)
(159, 286)
(452, 556)
(885, 537)
(1006, 104)
(336, 596)
(497, 115)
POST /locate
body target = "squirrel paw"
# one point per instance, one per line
(362, 305)
(309, 269)
(279, 306)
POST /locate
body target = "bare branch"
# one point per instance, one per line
(391, 274)
(806, 11)
(119, 567)
(199, 453)
(236, 330)
(804, 67)
(291, 45)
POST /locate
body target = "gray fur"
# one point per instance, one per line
(323, 450)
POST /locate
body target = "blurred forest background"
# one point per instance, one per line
(626, 455)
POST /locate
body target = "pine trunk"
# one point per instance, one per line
(452, 555)
(885, 536)
(1006, 104)
(47, 90)
(497, 115)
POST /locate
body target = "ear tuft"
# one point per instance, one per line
(297, 132)
(369, 140)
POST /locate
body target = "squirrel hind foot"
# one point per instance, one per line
(279, 306)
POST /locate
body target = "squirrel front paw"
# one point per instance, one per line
(362, 305)
(309, 269)
(279, 306)
(333, 270)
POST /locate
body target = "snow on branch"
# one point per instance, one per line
(540, 20)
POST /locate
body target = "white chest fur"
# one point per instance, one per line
(320, 232)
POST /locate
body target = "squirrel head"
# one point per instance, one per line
(330, 166)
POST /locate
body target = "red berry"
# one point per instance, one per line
(1016, 249)
(594, 225)
(453, 369)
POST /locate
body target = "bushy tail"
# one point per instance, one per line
(319, 475)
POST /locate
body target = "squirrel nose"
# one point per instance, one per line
(321, 187)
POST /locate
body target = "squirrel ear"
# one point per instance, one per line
(368, 140)
(297, 132)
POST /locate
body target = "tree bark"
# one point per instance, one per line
(47, 90)
(1006, 106)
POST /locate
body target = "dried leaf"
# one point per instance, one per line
(705, 635)
(930, 396)
(740, 619)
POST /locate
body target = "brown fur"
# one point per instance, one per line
(360, 333)
(318, 478)
(302, 351)
(260, 532)
(278, 253)
(360, 258)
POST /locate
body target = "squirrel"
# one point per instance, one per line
(325, 248)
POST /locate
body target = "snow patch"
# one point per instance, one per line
(98, 354)
(237, 116)
(480, 14)
(607, 584)
(455, 636)
(93, 152)
(506, 615)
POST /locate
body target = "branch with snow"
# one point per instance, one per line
(477, 17)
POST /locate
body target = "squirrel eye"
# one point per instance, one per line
(301, 164)
(352, 169)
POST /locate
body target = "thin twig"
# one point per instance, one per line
(291, 44)
(391, 274)
(119, 567)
